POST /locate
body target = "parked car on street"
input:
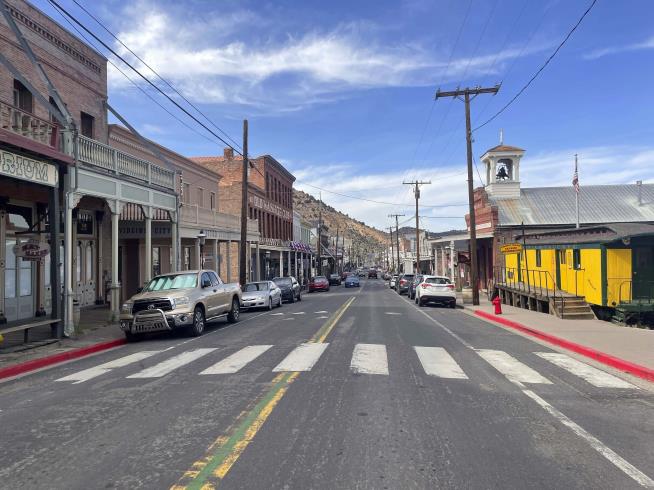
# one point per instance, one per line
(412, 286)
(290, 288)
(262, 294)
(335, 280)
(403, 283)
(179, 300)
(352, 281)
(318, 283)
(436, 289)
(393, 281)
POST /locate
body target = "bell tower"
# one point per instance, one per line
(503, 170)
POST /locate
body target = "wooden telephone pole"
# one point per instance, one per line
(397, 238)
(242, 260)
(319, 233)
(416, 192)
(466, 93)
(392, 262)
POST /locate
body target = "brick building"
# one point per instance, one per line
(270, 202)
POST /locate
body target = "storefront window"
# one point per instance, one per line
(10, 269)
(78, 262)
(156, 261)
(89, 261)
(18, 218)
(25, 277)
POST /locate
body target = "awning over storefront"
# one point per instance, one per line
(300, 247)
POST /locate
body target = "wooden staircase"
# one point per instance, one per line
(572, 308)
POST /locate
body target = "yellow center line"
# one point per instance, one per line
(207, 472)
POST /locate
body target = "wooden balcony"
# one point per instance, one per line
(28, 125)
(117, 162)
(192, 214)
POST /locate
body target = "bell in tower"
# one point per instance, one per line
(503, 170)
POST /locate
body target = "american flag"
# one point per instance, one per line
(575, 177)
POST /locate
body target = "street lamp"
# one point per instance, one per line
(202, 236)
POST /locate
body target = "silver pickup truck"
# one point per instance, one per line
(186, 299)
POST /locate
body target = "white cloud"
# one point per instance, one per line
(599, 53)
(209, 63)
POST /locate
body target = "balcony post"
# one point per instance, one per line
(116, 208)
(174, 246)
(229, 261)
(114, 160)
(147, 211)
(214, 253)
(258, 262)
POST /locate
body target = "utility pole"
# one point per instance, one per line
(416, 192)
(390, 228)
(336, 251)
(319, 233)
(242, 262)
(397, 237)
(466, 93)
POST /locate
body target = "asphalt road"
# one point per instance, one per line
(351, 389)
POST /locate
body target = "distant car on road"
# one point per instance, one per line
(404, 283)
(334, 280)
(290, 288)
(318, 283)
(412, 286)
(352, 281)
(372, 274)
(436, 289)
(262, 294)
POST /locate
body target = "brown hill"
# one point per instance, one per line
(368, 237)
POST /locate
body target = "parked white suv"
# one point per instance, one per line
(436, 289)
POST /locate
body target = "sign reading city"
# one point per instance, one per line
(32, 249)
(24, 168)
(511, 248)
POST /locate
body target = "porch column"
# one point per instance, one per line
(147, 211)
(452, 262)
(258, 255)
(3, 232)
(174, 238)
(229, 261)
(99, 215)
(289, 263)
(55, 259)
(70, 203)
(198, 260)
(214, 254)
(115, 284)
(281, 263)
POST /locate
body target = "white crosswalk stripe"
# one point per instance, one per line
(369, 359)
(302, 358)
(437, 362)
(510, 367)
(592, 375)
(169, 365)
(94, 372)
(238, 360)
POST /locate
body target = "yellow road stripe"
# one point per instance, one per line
(226, 449)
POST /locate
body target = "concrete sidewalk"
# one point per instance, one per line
(94, 329)
(634, 345)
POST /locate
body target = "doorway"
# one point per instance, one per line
(19, 284)
(85, 272)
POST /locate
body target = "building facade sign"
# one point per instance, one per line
(274, 242)
(136, 229)
(28, 169)
(511, 248)
(270, 207)
(32, 249)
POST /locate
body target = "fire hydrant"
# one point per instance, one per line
(497, 301)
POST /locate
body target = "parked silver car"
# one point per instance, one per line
(262, 294)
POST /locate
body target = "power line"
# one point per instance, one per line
(155, 72)
(538, 72)
(147, 80)
(81, 34)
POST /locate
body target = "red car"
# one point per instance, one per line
(318, 283)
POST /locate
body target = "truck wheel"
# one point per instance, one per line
(292, 300)
(235, 312)
(198, 322)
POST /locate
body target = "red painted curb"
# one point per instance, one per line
(34, 364)
(609, 360)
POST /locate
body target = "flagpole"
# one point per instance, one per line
(577, 191)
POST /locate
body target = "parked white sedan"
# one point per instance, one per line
(436, 289)
(262, 294)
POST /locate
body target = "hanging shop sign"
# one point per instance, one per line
(511, 248)
(28, 169)
(32, 249)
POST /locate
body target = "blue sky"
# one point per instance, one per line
(342, 92)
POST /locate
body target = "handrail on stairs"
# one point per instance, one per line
(509, 277)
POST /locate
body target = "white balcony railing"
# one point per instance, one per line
(94, 153)
(26, 124)
(195, 215)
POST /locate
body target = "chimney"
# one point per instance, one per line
(639, 183)
(228, 153)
